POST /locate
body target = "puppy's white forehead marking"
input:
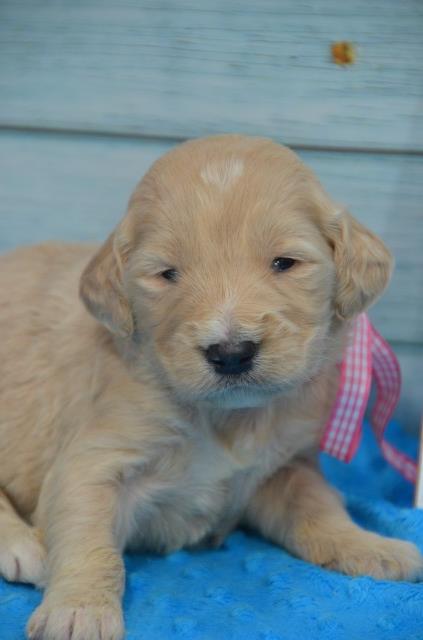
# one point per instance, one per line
(222, 174)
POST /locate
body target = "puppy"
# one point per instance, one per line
(185, 391)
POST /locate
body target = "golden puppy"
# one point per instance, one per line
(193, 395)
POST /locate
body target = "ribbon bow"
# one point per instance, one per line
(367, 354)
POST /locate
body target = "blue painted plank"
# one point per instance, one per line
(76, 188)
(410, 408)
(184, 68)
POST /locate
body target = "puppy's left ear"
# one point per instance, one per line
(102, 284)
(363, 264)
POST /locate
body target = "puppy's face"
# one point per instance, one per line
(233, 264)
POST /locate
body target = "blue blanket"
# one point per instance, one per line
(251, 590)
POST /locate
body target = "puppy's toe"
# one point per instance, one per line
(59, 621)
(383, 558)
(22, 557)
(399, 560)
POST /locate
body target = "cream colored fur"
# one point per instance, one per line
(116, 433)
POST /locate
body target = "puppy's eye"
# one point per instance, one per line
(283, 264)
(170, 274)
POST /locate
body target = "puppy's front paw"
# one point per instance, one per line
(369, 554)
(56, 620)
(22, 556)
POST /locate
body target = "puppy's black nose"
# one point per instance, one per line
(231, 359)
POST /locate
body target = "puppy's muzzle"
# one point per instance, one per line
(231, 359)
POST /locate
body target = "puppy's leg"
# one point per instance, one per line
(22, 556)
(85, 571)
(298, 510)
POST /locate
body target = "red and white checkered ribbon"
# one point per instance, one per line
(367, 354)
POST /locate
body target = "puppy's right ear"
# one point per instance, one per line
(362, 261)
(102, 287)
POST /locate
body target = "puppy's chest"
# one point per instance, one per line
(194, 490)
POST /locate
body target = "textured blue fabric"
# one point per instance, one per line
(251, 590)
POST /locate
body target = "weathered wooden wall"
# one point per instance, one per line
(92, 91)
